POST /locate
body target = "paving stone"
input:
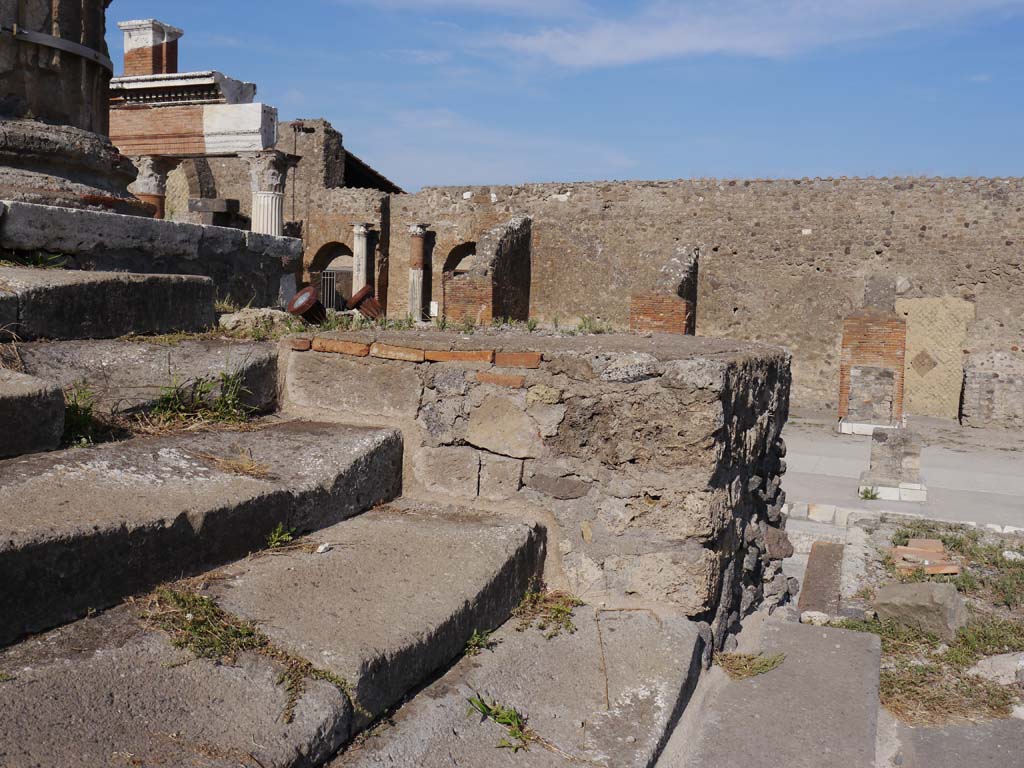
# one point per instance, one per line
(818, 709)
(993, 744)
(31, 414)
(397, 596)
(822, 579)
(81, 529)
(607, 695)
(75, 304)
(131, 375)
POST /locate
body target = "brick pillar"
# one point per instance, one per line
(417, 259)
(150, 47)
(362, 257)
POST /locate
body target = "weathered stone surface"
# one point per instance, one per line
(821, 585)
(607, 695)
(557, 486)
(131, 375)
(934, 608)
(452, 471)
(500, 426)
(687, 575)
(397, 596)
(818, 709)
(257, 319)
(627, 369)
(994, 743)
(543, 394)
(778, 544)
(116, 693)
(31, 414)
(84, 528)
(500, 477)
(8, 314)
(73, 304)
(243, 267)
(993, 393)
(341, 384)
(1005, 669)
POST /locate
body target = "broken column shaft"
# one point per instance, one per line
(362, 257)
(417, 259)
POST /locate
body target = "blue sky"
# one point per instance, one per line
(435, 92)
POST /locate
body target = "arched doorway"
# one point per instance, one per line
(460, 260)
(331, 272)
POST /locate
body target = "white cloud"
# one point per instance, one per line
(661, 29)
(534, 8)
(444, 147)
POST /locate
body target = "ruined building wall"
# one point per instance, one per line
(781, 261)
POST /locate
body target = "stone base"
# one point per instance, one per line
(66, 167)
(915, 492)
(846, 427)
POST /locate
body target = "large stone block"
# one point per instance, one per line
(74, 304)
(934, 608)
(500, 425)
(345, 385)
(31, 414)
(687, 576)
(450, 470)
(500, 477)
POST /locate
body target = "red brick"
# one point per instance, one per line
(339, 347)
(301, 345)
(501, 379)
(517, 359)
(390, 352)
(459, 356)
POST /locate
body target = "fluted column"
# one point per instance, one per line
(267, 171)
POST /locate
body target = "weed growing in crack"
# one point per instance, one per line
(217, 400)
(82, 425)
(869, 494)
(742, 666)
(6, 678)
(197, 624)
(520, 735)
(551, 611)
(280, 537)
(480, 641)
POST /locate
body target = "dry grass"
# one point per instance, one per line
(551, 611)
(742, 666)
(197, 624)
(242, 464)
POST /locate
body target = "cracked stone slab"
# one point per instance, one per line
(81, 529)
(31, 414)
(396, 596)
(78, 304)
(607, 695)
(130, 375)
(108, 691)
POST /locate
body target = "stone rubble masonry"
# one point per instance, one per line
(245, 266)
(994, 390)
(875, 338)
(31, 414)
(656, 462)
(782, 261)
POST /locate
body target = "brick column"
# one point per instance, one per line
(417, 258)
(362, 257)
(150, 47)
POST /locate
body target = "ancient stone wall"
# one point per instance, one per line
(994, 390)
(782, 261)
(655, 463)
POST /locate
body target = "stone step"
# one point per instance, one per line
(31, 414)
(83, 528)
(383, 600)
(608, 694)
(129, 375)
(822, 585)
(818, 709)
(77, 304)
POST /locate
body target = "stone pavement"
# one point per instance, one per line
(972, 475)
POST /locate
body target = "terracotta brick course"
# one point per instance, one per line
(517, 359)
(301, 345)
(658, 313)
(338, 347)
(405, 354)
(476, 356)
(501, 379)
(158, 130)
(872, 338)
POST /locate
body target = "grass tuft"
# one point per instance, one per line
(198, 625)
(551, 611)
(520, 735)
(480, 641)
(280, 537)
(216, 400)
(869, 494)
(742, 666)
(7, 678)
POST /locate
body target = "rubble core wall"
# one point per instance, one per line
(783, 262)
(656, 463)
